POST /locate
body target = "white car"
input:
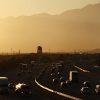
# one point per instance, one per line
(97, 89)
(22, 89)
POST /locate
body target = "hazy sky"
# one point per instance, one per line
(29, 7)
(57, 35)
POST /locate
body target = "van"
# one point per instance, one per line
(4, 85)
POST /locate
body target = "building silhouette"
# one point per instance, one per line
(39, 50)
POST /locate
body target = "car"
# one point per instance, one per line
(53, 70)
(52, 74)
(55, 81)
(58, 74)
(86, 84)
(97, 89)
(4, 89)
(22, 89)
(65, 84)
(69, 83)
(86, 91)
(62, 79)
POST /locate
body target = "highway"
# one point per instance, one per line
(66, 95)
(40, 91)
(56, 92)
(52, 91)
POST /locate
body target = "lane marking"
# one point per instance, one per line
(82, 69)
(56, 92)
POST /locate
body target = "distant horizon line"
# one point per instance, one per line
(51, 53)
(74, 51)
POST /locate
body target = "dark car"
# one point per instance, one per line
(22, 89)
(86, 91)
(86, 84)
(55, 81)
(65, 84)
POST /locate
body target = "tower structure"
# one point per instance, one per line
(39, 50)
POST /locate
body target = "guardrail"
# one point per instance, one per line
(56, 92)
